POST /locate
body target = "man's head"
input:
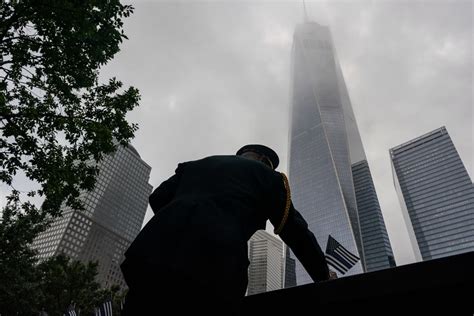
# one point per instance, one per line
(261, 153)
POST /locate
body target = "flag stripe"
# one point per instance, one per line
(336, 268)
(104, 310)
(333, 262)
(342, 249)
(109, 308)
(342, 260)
(344, 267)
(350, 258)
(342, 254)
(339, 257)
(71, 310)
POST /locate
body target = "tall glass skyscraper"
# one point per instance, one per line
(113, 216)
(324, 142)
(436, 195)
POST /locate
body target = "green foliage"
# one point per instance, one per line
(54, 284)
(62, 281)
(18, 277)
(55, 116)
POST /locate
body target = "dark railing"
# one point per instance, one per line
(435, 287)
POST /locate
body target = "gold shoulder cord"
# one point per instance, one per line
(287, 206)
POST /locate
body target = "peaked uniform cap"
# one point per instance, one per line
(261, 149)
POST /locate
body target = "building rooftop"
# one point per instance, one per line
(133, 150)
(419, 139)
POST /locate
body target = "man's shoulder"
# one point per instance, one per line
(232, 161)
(209, 161)
(224, 157)
(217, 158)
(211, 158)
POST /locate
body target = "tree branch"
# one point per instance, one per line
(9, 22)
(6, 62)
(8, 116)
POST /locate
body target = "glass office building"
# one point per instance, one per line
(113, 216)
(377, 249)
(436, 195)
(266, 263)
(324, 143)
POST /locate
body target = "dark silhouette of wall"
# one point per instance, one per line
(442, 286)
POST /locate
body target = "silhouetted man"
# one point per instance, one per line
(191, 257)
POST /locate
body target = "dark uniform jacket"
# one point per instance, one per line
(204, 216)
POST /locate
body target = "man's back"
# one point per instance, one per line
(204, 216)
(193, 252)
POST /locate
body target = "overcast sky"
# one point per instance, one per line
(215, 75)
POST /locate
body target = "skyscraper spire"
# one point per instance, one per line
(305, 13)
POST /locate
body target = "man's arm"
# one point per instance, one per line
(301, 240)
(293, 230)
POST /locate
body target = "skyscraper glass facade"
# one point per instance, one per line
(436, 195)
(324, 143)
(113, 216)
(377, 248)
(319, 165)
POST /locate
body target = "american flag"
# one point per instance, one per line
(339, 257)
(105, 309)
(71, 310)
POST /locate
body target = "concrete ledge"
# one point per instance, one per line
(442, 286)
